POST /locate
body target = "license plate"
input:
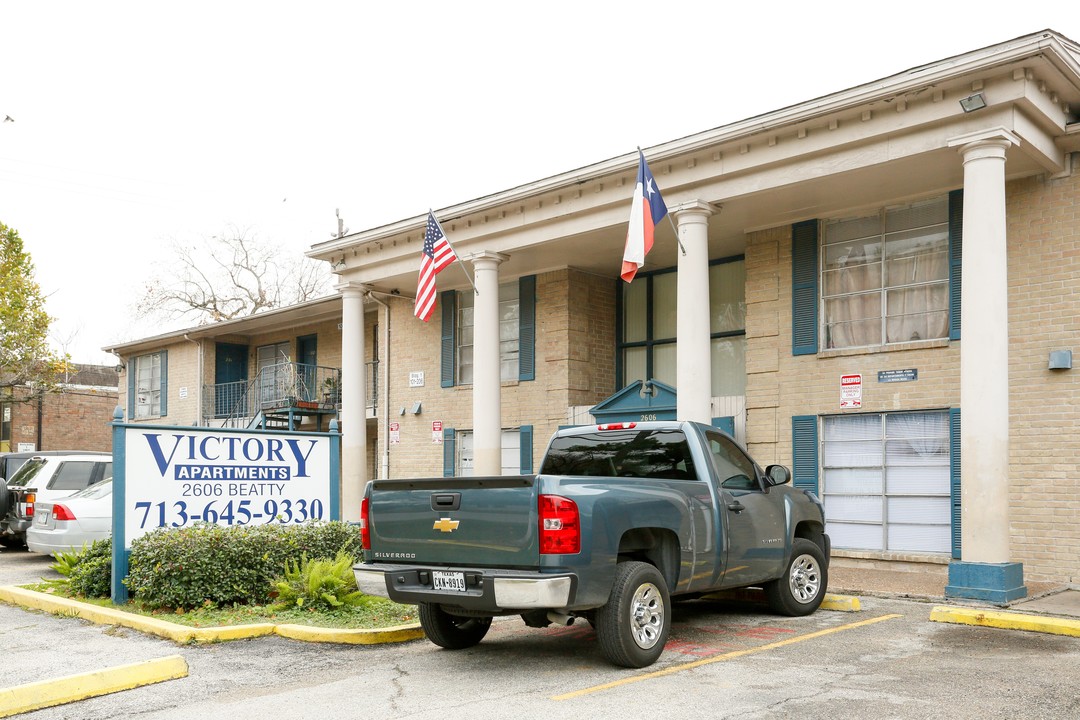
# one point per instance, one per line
(42, 518)
(442, 580)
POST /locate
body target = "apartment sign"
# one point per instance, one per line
(850, 391)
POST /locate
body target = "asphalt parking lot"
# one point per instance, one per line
(724, 660)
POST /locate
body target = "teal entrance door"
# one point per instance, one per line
(230, 380)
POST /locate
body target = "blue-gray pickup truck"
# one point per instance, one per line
(621, 518)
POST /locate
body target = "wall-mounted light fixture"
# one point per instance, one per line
(339, 265)
(416, 408)
(973, 102)
(120, 368)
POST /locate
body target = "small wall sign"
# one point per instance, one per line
(416, 379)
(436, 432)
(395, 433)
(889, 376)
(850, 391)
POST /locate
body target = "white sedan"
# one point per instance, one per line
(72, 522)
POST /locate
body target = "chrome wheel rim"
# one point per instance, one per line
(804, 579)
(647, 616)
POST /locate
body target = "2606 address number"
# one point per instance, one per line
(233, 512)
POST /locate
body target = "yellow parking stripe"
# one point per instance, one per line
(46, 693)
(721, 658)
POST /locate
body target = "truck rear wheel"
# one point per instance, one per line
(800, 590)
(449, 631)
(633, 626)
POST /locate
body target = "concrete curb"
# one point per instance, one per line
(47, 693)
(1006, 620)
(184, 634)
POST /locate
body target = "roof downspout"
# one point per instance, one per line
(384, 465)
(200, 410)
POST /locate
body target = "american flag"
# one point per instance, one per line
(436, 256)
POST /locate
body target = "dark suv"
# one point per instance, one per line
(44, 476)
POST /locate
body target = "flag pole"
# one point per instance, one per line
(456, 256)
(677, 238)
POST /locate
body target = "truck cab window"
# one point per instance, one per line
(734, 470)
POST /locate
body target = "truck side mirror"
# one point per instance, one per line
(777, 474)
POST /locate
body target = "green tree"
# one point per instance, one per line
(25, 355)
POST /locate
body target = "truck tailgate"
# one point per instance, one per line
(466, 522)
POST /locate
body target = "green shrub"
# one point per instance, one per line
(89, 571)
(319, 583)
(216, 565)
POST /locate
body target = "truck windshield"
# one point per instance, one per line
(621, 453)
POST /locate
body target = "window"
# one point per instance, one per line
(147, 385)
(886, 481)
(622, 453)
(734, 470)
(885, 277)
(511, 453)
(509, 307)
(648, 326)
(76, 475)
(517, 333)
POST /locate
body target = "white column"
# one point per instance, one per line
(694, 354)
(984, 350)
(487, 384)
(353, 401)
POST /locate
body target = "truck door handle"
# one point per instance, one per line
(736, 507)
(445, 501)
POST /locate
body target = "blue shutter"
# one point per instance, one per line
(804, 288)
(448, 443)
(131, 367)
(956, 253)
(954, 478)
(526, 449)
(726, 423)
(164, 402)
(527, 328)
(449, 309)
(804, 446)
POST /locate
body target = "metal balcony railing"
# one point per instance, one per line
(280, 387)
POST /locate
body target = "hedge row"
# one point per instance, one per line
(215, 565)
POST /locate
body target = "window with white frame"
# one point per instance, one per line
(148, 386)
(886, 482)
(885, 277)
(509, 333)
(511, 453)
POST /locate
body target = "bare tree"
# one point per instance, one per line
(231, 276)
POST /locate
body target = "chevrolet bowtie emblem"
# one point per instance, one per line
(445, 525)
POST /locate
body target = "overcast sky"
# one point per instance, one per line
(138, 123)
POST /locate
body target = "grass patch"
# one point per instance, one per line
(369, 614)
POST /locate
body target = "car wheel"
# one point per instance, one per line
(450, 631)
(800, 590)
(633, 626)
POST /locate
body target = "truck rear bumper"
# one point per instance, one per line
(485, 589)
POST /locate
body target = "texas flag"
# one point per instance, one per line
(647, 210)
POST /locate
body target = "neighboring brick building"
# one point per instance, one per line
(75, 416)
(813, 306)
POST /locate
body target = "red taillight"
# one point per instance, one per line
(560, 531)
(28, 505)
(617, 426)
(62, 512)
(365, 526)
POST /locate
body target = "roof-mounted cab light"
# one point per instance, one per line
(617, 426)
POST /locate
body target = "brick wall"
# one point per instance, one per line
(1044, 315)
(72, 419)
(575, 361)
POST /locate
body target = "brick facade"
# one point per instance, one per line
(1044, 315)
(73, 418)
